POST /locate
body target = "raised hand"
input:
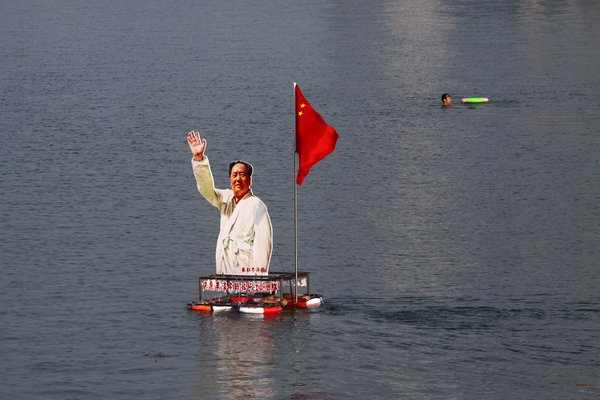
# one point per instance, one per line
(197, 145)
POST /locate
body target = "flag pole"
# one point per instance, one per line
(295, 207)
(315, 139)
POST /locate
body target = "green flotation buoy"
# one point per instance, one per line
(472, 100)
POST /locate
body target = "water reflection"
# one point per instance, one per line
(237, 356)
(240, 356)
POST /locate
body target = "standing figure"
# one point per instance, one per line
(245, 239)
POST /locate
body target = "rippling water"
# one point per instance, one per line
(457, 249)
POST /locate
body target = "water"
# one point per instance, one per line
(457, 249)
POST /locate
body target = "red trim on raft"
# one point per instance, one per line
(259, 309)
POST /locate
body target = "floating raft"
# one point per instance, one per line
(474, 100)
(261, 294)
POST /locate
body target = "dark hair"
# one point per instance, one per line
(248, 166)
(445, 95)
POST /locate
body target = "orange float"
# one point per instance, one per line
(200, 306)
(265, 309)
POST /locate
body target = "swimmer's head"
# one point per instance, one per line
(446, 99)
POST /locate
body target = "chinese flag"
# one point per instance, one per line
(314, 138)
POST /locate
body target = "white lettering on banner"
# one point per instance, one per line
(218, 285)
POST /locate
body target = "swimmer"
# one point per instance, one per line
(446, 100)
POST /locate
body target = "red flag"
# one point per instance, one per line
(314, 138)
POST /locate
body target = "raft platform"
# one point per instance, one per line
(255, 294)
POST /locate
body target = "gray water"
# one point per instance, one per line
(457, 249)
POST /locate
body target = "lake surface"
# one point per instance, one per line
(457, 248)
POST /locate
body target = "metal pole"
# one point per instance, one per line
(295, 206)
